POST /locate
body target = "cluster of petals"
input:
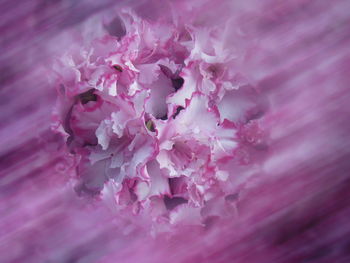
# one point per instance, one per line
(157, 117)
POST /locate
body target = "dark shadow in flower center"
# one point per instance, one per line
(177, 83)
(116, 28)
(178, 109)
(171, 203)
(87, 96)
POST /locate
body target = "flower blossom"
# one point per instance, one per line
(156, 115)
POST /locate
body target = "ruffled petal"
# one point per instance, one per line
(159, 183)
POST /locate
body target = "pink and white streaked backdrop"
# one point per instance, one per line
(294, 208)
